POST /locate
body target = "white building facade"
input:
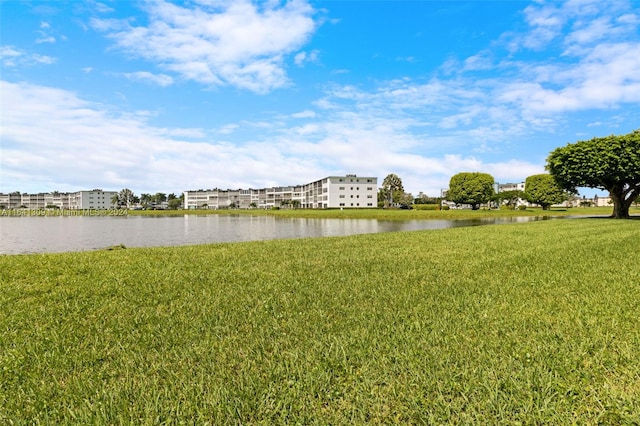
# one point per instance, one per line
(348, 191)
(96, 199)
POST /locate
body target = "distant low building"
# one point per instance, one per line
(96, 199)
(602, 201)
(497, 187)
(348, 191)
(502, 187)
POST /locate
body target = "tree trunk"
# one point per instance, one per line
(620, 205)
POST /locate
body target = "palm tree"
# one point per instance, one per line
(126, 197)
(115, 201)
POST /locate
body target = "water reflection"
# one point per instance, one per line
(59, 234)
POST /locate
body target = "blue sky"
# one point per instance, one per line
(167, 96)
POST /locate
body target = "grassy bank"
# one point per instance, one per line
(528, 323)
(394, 214)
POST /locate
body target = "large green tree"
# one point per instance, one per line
(126, 197)
(542, 189)
(146, 199)
(473, 188)
(611, 163)
(392, 190)
(509, 198)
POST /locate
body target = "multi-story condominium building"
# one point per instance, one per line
(94, 199)
(348, 191)
(81, 200)
(502, 187)
(10, 201)
(602, 201)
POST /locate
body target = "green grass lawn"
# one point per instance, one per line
(533, 323)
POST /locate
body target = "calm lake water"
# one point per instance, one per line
(60, 234)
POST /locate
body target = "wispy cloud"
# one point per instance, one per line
(228, 129)
(162, 80)
(44, 32)
(304, 114)
(230, 43)
(303, 57)
(13, 57)
(46, 39)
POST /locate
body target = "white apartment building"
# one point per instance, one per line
(502, 187)
(602, 201)
(348, 191)
(96, 199)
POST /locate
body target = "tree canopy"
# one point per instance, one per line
(125, 197)
(510, 198)
(611, 163)
(473, 188)
(392, 190)
(542, 189)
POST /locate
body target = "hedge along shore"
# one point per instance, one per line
(526, 323)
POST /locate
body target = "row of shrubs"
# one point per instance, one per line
(429, 207)
(446, 207)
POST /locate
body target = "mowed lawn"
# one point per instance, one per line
(532, 323)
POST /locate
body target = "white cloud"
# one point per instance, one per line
(228, 129)
(574, 25)
(44, 32)
(101, 7)
(230, 43)
(304, 114)
(13, 57)
(48, 127)
(306, 57)
(46, 39)
(480, 61)
(162, 80)
(43, 59)
(8, 53)
(608, 76)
